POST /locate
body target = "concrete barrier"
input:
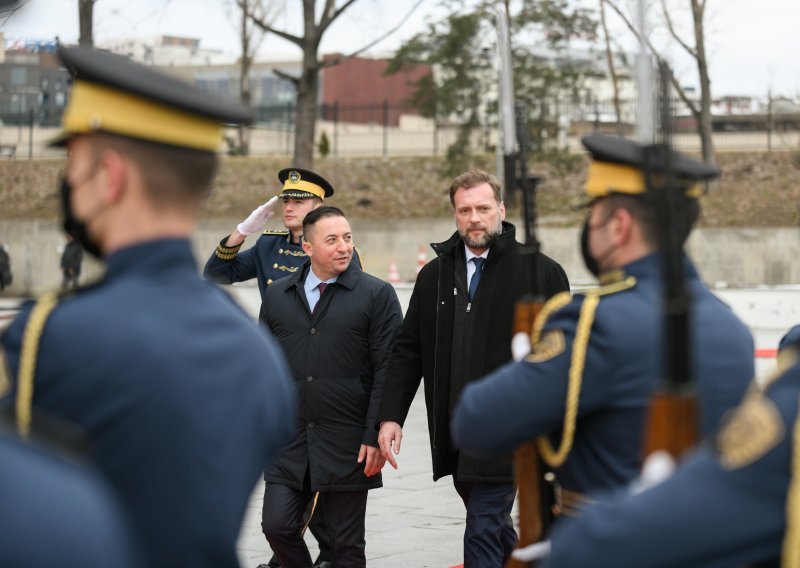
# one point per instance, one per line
(725, 257)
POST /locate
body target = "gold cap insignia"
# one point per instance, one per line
(294, 176)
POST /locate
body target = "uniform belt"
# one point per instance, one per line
(571, 502)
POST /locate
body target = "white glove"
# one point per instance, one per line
(657, 468)
(520, 346)
(255, 221)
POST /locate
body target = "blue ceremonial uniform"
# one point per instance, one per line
(57, 514)
(183, 398)
(273, 256)
(613, 356)
(727, 505)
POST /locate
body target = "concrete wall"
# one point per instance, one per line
(725, 257)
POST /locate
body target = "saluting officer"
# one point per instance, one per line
(734, 502)
(276, 253)
(584, 390)
(183, 398)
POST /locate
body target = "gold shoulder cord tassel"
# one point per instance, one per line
(791, 541)
(552, 457)
(27, 364)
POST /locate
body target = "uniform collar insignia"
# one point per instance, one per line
(612, 277)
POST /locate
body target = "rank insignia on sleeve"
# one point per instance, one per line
(751, 431)
(550, 345)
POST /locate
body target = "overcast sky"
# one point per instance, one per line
(753, 45)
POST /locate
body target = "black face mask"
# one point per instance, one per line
(591, 263)
(73, 226)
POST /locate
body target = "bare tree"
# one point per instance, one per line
(307, 84)
(702, 111)
(86, 22)
(251, 37)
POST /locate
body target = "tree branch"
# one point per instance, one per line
(337, 60)
(286, 77)
(691, 51)
(678, 89)
(329, 14)
(267, 27)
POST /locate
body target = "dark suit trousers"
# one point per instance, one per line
(489, 536)
(282, 524)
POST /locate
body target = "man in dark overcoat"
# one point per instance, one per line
(336, 325)
(452, 337)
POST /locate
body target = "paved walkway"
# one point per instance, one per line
(411, 521)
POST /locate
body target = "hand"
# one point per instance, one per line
(374, 459)
(255, 221)
(389, 439)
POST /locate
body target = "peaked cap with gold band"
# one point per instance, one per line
(110, 93)
(304, 184)
(617, 168)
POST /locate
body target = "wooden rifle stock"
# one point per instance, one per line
(533, 497)
(671, 422)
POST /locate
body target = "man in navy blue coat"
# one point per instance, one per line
(183, 398)
(583, 391)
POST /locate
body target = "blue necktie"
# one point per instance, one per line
(473, 284)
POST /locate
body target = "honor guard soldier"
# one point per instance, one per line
(276, 253)
(583, 391)
(56, 513)
(143, 361)
(734, 502)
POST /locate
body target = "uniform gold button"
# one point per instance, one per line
(275, 265)
(309, 378)
(280, 251)
(269, 281)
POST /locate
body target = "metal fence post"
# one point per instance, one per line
(336, 128)
(288, 125)
(30, 135)
(385, 128)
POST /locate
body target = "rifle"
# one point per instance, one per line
(534, 492)
(672, 416)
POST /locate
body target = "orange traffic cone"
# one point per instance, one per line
(422, 258)
(394, 275)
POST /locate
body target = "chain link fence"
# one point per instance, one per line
(385, 130)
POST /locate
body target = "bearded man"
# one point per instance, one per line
(455, 331)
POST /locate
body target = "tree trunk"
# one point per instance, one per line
(86, 21)
(307, 91)
(244, 80)
(305, 120)
(706, 138)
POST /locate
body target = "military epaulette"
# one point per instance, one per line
(283, 232)
(226, 253)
